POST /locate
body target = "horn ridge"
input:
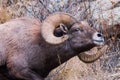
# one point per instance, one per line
(51, 22)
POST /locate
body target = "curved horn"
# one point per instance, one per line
(53, 21)
(91, 58)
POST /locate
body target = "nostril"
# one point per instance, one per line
(99, 35)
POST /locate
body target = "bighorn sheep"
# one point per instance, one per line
(30, 49)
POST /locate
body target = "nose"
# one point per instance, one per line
(98, 38)
(99, 35)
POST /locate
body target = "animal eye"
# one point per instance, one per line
(78, 29)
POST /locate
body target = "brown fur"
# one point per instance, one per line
(26, 54)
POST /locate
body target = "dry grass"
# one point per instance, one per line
(4, 15)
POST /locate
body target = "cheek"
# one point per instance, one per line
(82, 45)
(79, 42)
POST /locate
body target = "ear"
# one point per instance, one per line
(61, 30)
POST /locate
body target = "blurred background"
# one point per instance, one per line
(104, 15)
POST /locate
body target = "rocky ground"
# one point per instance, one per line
(108, 66)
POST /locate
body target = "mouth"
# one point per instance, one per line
(99, 42)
